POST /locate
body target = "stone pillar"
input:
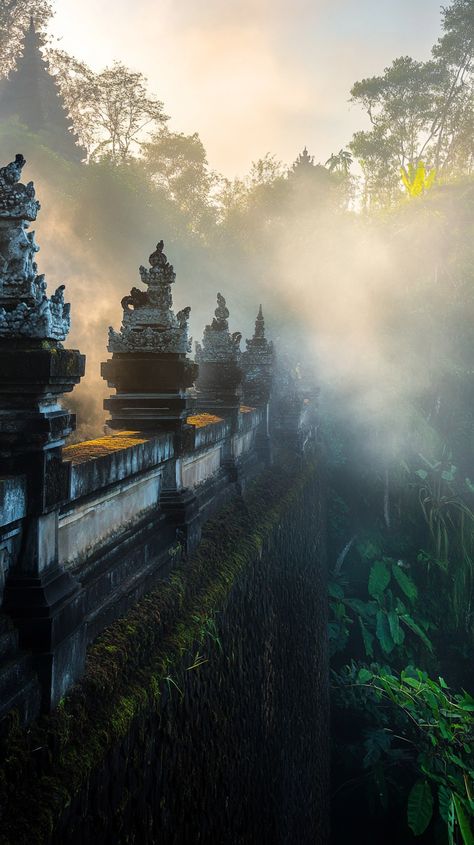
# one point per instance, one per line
(257, 365)
(220, 374)
(44, 601)
(152, 374)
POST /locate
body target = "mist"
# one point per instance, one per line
(365, 301)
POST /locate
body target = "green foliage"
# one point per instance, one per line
(416, 179)
(420, 807)
(439, 727)
(384, 619)
(419, 111)
(379, 579)
(15, 16)
(450, 521)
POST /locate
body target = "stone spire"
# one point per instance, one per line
(219, 363)
(25, 310)
(44, 601)
(31, 94)
(303, 161)
(149, 366)
(218, 345)
(257, 364)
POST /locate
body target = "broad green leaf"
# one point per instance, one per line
(396, 632)
(420, 807)
(363, 608)
(364, 676)
(405, 582)
(379, 579)
(410, 623)
(367, 639)
(463, 822)
(383, 632)
(445, 800)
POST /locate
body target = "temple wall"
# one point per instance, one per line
(86, 527)
(203, 713)
(197, 469)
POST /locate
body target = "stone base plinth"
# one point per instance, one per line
(152, 390)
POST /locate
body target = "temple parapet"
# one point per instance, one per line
(87, 528)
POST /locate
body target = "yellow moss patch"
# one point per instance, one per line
(88, 450)
(201, 420)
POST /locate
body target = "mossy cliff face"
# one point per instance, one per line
(202, 716)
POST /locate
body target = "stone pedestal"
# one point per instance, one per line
(218, 388)
(43, 600)
(152, 390)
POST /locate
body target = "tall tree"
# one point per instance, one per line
(32, 96)
(15, 17)
(178, 163)
(420, 111)
(113, 112)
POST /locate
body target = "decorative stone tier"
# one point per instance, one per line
(25, 310)
(32, 379)
(149, 368)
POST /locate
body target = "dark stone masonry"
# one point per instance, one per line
(163, 663)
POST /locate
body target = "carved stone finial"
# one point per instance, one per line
(17, 201)
(25, 310)
(149, 324)
(218, 345)
(257, 363)
(219, 322)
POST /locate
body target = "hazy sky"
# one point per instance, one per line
(252, 76)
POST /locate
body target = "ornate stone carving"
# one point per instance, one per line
(25, 310)
(17, 201)
(148, 323)
(257, 363)
(218, 344)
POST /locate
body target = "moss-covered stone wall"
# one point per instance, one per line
(202, 716)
